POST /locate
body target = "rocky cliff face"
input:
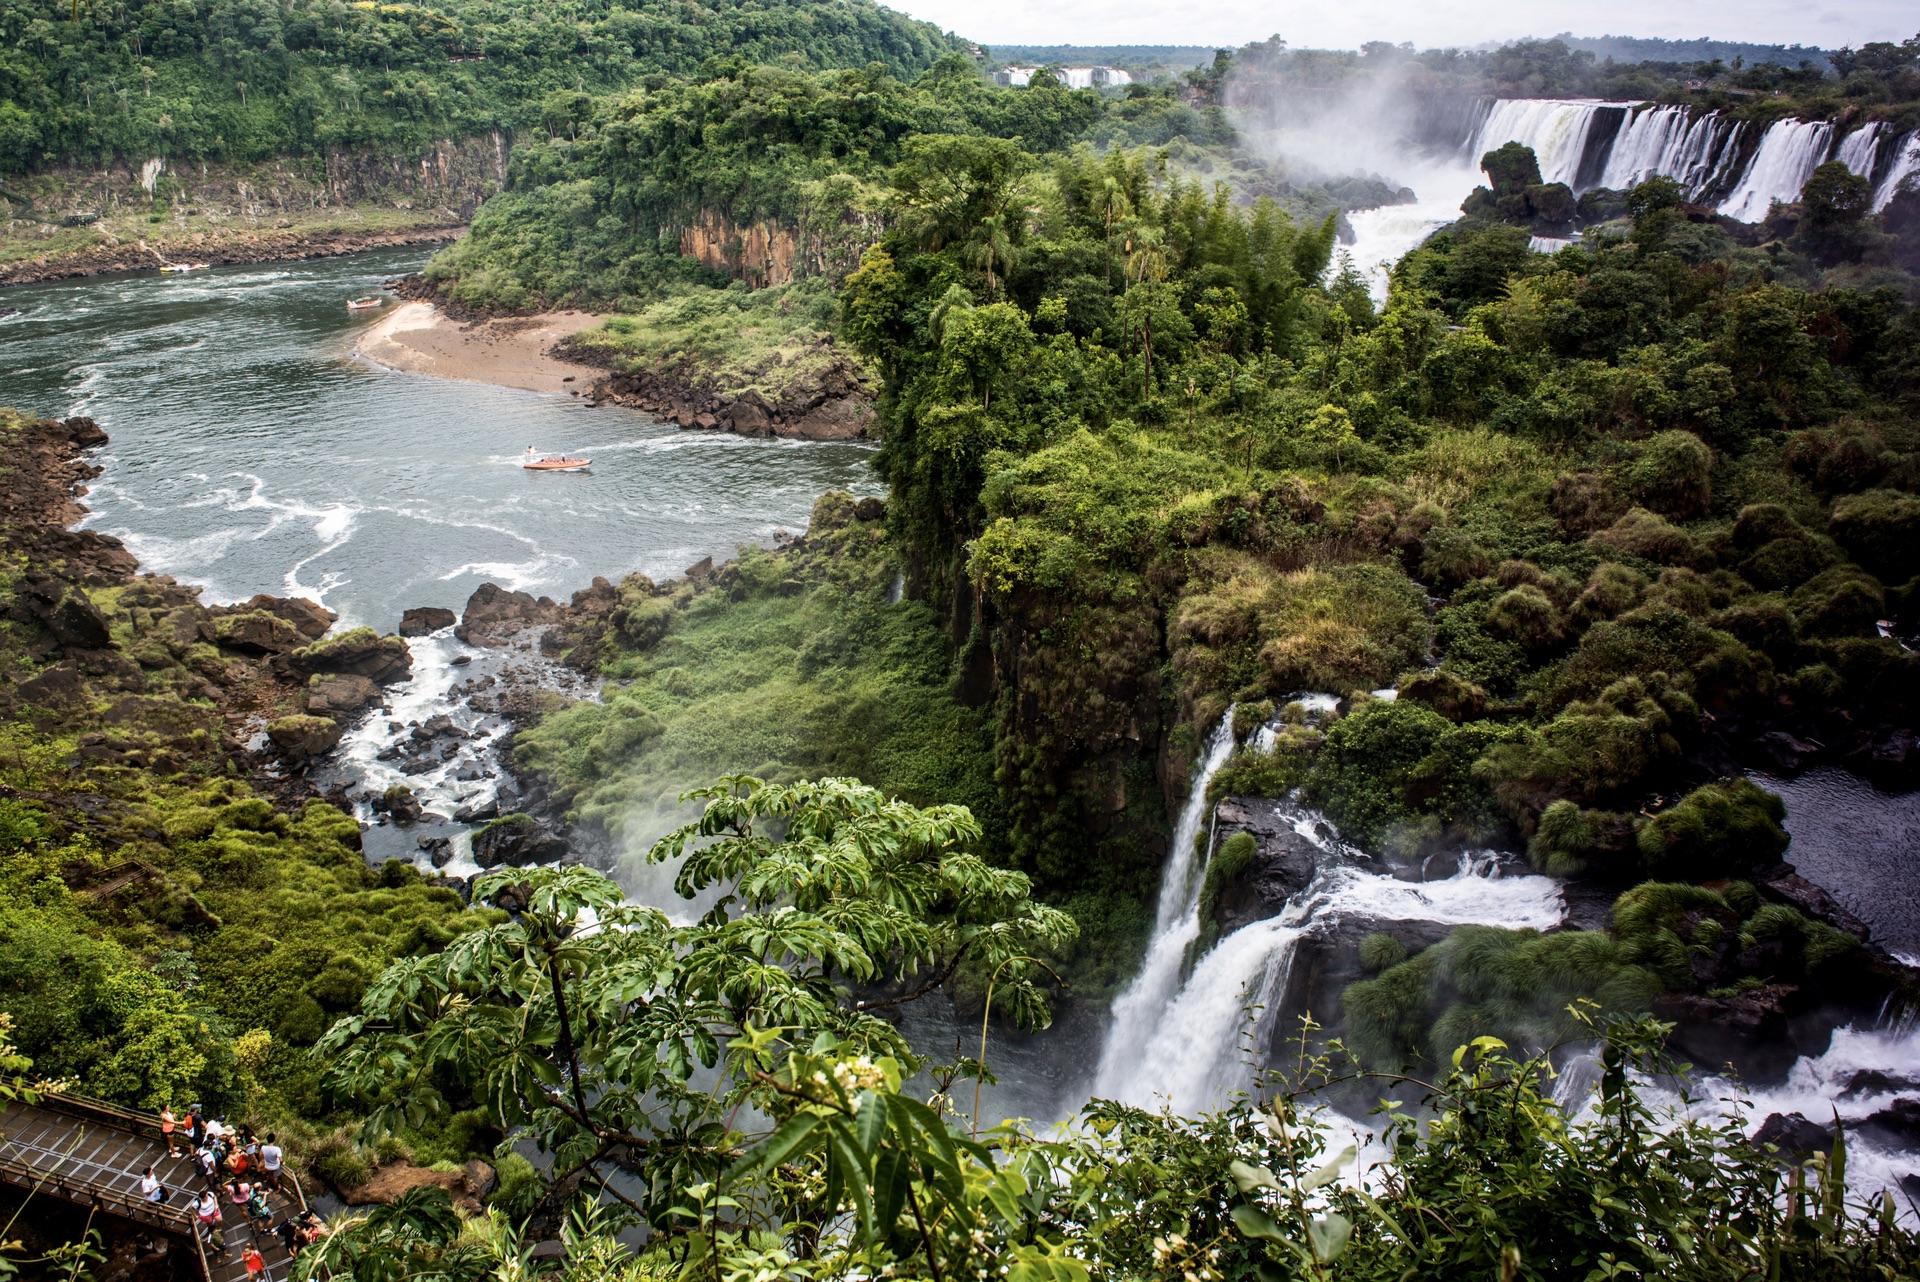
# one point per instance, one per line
(761, 252)
(834, 405)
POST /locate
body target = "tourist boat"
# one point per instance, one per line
(362, 304)
(534, 461)
(182, 267)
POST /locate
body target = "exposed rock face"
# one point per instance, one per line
(422, 620)
(392, 1179)
(493, 613)
(341, 695)
(1283, 862)
(1792, 1133)
(256, 632)
(308, 618)
(1757, 1030)
(74, 621)
(519, 840)
(834, 405)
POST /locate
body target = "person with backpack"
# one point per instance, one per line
(207, 1212)
(258, 1209)
(152, 1189)
(196, 1127)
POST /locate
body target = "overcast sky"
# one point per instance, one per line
(1424, 22)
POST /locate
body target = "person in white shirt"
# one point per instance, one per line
(271, 1157)
(151, 1188)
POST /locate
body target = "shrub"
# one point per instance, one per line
(1673, 475)
(1446, 692)
(1381, 951)
(1650, 537)
(338, 1161)
(1842, 601)
(1881, 528)
(520, 1185)
(1571, 841)
(1526, 617)
(1715, 831)
(1366, 762)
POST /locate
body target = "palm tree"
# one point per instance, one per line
(990, 244)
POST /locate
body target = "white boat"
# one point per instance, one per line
(363, 304)
(534, 461)
(182, 267)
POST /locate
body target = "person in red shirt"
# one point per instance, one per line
(255, 1262)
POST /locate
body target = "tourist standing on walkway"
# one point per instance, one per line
(168, 1125)
(207, 1211)
(271, 1158)
(151, 1188)
(256, 1265)
(196, 1127)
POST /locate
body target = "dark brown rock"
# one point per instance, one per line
(302, 737)
(256, 632)
(425, 619)
(518, 840)
(340, 695)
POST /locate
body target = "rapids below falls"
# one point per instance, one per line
(252, 451)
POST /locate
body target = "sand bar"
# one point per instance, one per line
(510, 351)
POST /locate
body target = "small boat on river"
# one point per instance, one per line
(363, 304)
(182, 267)
(534, 461)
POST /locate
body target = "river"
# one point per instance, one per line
(253, 452)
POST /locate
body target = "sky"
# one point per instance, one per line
(1427, 23)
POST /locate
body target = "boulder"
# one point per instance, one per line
(701, 568)
(74, 621)
(392, 1179)
(256, 632)
(340, 695)
(839, 419)
(481, 1178)
(1754, 1030)
(301, 737)
(748, 415)
(83, 431)
(399, 803)
(421, 620)
(1897, 1126)
(1283, 861)
(519, 840)
(480, 812)
(359, 651)
(493, 610)
(1793, 1133)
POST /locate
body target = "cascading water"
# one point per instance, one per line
(1671, 142)
(1861, 148)
(1556, 129)
(1176, 922)
(1906, 165)
(1789, 153)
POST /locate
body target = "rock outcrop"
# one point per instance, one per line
(357, 651)
(422, 620)
(494, 613)
(518, 840)
(834, 405)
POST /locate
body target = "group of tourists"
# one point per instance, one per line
(241, 1169)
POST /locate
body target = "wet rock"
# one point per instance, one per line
(340, 696)
(438, 726)
(1783, 753)
(841, 419)
(461, 660)
(1871, 1081)
(869, 509)
(302, 737)
(360, 651)
(519, 840)
(477, 813)
(1283, 861)
(469, 774)
(1896, 1126)
(439, 850)
(1793, 1133)
(399, 803)
(493, 611)
(421, 620)
(458, 885)
(700, 569)
(55, 687)
(256, 632)
(1752, 1030)
(83, 431)
(1791, 888)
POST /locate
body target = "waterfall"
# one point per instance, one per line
(1670, 142)
(1187, 1048)
(1861, 148)
(1906, 164)
(1176, 923)
(1789, 153)
(1556, 129)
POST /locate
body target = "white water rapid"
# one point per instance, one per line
(1137, 1011)
(1182, 1042)
(1669, 141)
(1557, 130)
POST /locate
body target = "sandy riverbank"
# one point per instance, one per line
(510, 351)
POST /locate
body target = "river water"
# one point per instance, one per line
(253, 452)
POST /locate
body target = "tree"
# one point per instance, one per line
(1834, 206)
(599, 1027)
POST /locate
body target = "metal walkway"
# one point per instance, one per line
(93, 1155)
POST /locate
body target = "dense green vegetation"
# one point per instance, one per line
(244, 81)
(591, 1034)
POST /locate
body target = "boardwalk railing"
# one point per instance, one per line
(92, 1153)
